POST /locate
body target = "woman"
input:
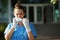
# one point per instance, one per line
(20, 28)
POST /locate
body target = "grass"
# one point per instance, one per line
(2, 28)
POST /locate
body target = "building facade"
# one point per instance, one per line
(37, 12)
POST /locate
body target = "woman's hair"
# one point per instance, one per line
(19, 6)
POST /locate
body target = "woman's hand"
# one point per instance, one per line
(26, 24)
(17, 21)
(14, 22)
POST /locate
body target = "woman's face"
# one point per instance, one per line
(19, 13)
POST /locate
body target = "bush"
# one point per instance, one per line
(2, 28)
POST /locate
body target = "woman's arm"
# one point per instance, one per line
(30, 36)
(28, 30)
(9, 34)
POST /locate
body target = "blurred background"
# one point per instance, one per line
(44, 14)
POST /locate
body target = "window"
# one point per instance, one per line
(39, 14)
(3, 11)
(31, 14)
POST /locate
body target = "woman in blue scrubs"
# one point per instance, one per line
(21, 28)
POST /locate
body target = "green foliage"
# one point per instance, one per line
(53, 1)
(2, 26)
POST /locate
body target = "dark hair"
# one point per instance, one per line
(19, 6)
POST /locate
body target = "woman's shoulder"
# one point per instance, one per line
(31, 23)
(10, 23)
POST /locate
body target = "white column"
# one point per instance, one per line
(27, 12)
(9, 10)
(59, 9)
(53, 14)
(42, 14)
(35, 14)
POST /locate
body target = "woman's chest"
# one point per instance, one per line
(20, 31)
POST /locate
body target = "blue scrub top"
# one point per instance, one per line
(20, 32)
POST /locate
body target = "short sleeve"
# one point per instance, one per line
(33, 30)
(7, 28)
